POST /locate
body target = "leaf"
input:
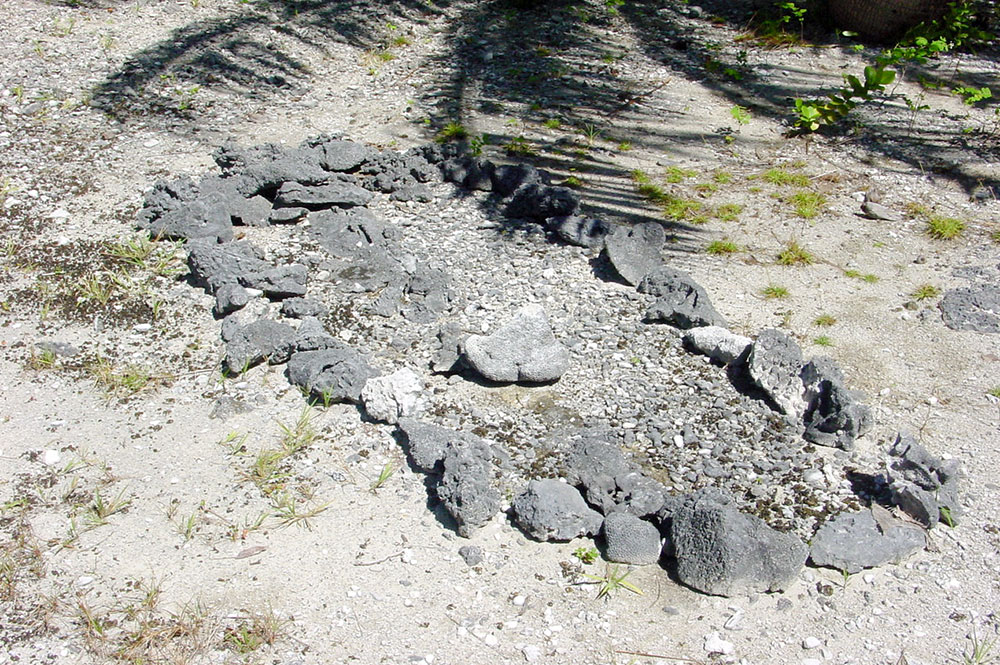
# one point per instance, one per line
(250, 551)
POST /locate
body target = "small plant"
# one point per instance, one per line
(994, 392)
(300, 435)
(476, 144)
(590, 132)
(288, 513)
(722, 247)
(388, 470)
(740, 114)
(780, 176)
(101, 508)
(945, 516)
(677, 208)
(772, 291)
(587, 555)
(979, 650)
(722, 177)
(973, 96)
(519, 147)
(807, 203)
(624, 146)
(823, 340)
(870, 278)
(453, 131)
(944, 228)
(613, 581)
(728, 212)
(824, 320)
(925, 292)
(675, 174)
(794, 254)
(254, 631)
(995, 237)
(706, 188)
(573, 181)
(553, 123)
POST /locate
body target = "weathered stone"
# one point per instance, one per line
(537, 201)
(634, 251)
(680, 301)
(394, 396)
(507, 178)
(774, 365)
(716, 342)
(523, 350)
(228, 298)
(722, 551)
(922, 485)
(336, 193)
(631, 540)
(833, 416)
(552, 510)
(206, 217)
(213, 265)
(465, 489)
(260, 340)
(975, 308)
(335, 374)
(854, 541)
(254, 211)
(278, 282)
(343, 155)
(287, 215)
(580, 231)
(301, 308)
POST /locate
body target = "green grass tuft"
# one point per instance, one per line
(944, 228)
(795, 254)
(772, 291)
(722, 247)
(925, 292)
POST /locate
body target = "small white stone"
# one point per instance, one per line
(51, 457)
(491, 640)
(151, 143)
(531, 653)
(85, 580)
(810, 642)
(518, 600)
(142, 327)
(715, 644)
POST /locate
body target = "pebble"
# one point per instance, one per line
(531, 653)
(715, 644)
(51, 457)
(811, 642)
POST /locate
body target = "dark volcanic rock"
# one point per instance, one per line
(774, 365)
(537, 201)
(228, 298)
(507, 178)
(523, 350)
(278, 282)
(213, 265)
(854, 541)
(631, 540)
(552, 510)
(465, 489)
(336, 193)
(338, 155)
(974, 308)
(257, 341)
(722, 551)
(335, 374)
(634, 251)
(608, 481)
(580, 231)
(205, 217)
(922, 485)
(680, 301)
(300, 308)
(834, 416)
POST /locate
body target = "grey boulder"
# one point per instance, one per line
(608, 481)
(229, 298)
(923, 486)
(631, 540)
(634, 252)
(580, 231)
(338, 155)
(337, 193)
(537, 201)
(206, 217)
(212, 265)
(393, 396)
(523, 350)
(680, 301)
(975, 308)
(335, 374)
(854, 541)
(259, 340)
(718, 343)
(724, 552)
(774, 365)
(278, 282)
(465, 489)
(552, 510)
(834, 416)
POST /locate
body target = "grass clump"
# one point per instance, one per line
(994, 392)
(722, 177)
(772, 291)
(822, 340)
(675, 174)
(613, 581)
(677, 208)
(925, 292)
(722, 247)
(553, 123)
(995, 237)
(944, 228)
(824, 320)
(782, 177)
(728, 212)
(453, 131)
(706, 188)
(795, 254)
(807, 203)
(519, 147)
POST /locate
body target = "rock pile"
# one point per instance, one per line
(269, 313)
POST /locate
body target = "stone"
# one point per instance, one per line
(774, 364)
(721, 345)
(287, 215)
(278, 282)
(254, 211)
(313, 336)
(213, 265)
(580, 231)
(464, 488)
(336, 374)
(206, 217)
(854, 541)
(507, 178)
(229, 298)
(634, 252)
(341, 155)
(975, 308)
(472, 555)
(257, 341)
(537, 201)
(391, 397)
(631, 540)
(301, 308)
(266, 176)
(59, 349)
(721, 551)
(922, 485)
(680, 301)
(523, 350)
(337, 193)
(551, 510)
(834, 416)
(428, 443)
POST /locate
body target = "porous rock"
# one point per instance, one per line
(338, 155)
(465, 489)
(631, 540)
(206, 217)
(855, 541)
(336, 193)
(922, 485)
(229, 298)
(259, 340)
(551, 510)
(507, 178)
(721, 551)
(335, 374)
(278, 282)
(634, 252)
(213, 265)
(522, 350)
(834, 416)
(301, 308)
(537, 201)
(608, 481)
(313, 336)
(975, 308)
(580, 231)
(774, 365)
(718, 343)
(391, 397)
(680, 301)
